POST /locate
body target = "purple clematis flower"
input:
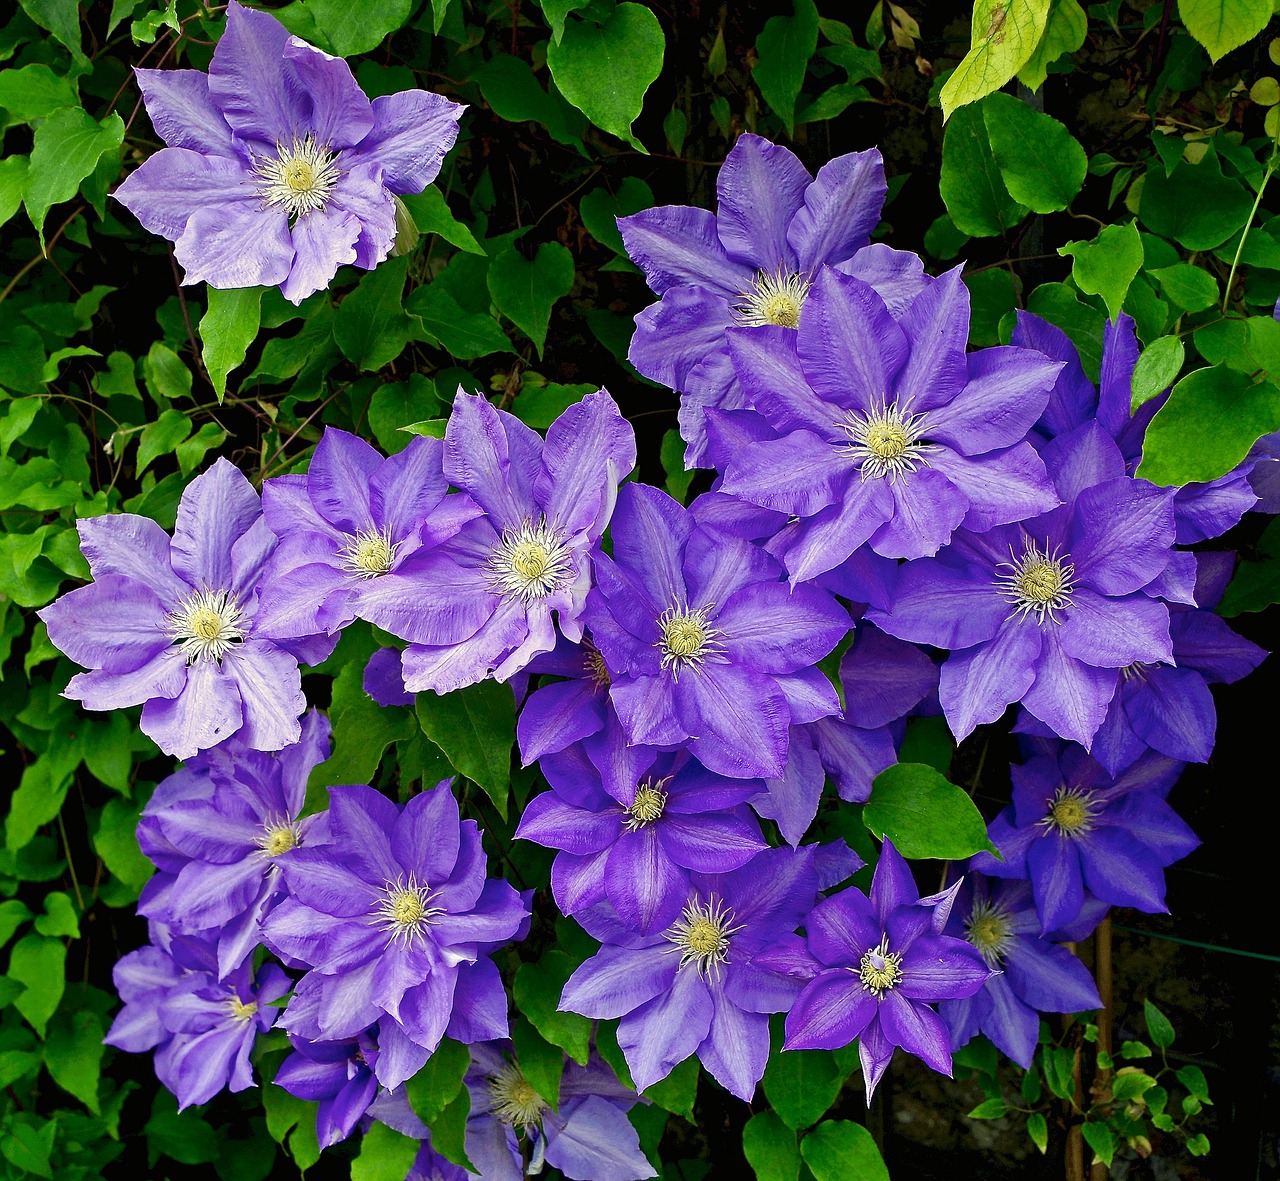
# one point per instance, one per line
(751, 265)
(395, 919)
(339, 1075)
(873, 965)
(170, 623)
(352, 519)
(1071, 825)
(588, 1137)
(704, 643)
(279, 170)
(558, 713)
(884, 431)
(219, 829)
(696, 988)
(1032, 974)
(201, 1028)
(1050, 610)
(481, 602)
(632, 823)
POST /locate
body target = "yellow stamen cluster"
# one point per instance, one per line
(300, 178)
(885, 442)
(206, 624)
(880, 969)
(369, 552)
(1072, 812)
(775, 298)
(1040, 583)
(530, 563)
(701, 935)
(688, 637)
(648, 805)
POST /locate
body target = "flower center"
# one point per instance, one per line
(1040, 583)
(530, 563)
(279, 836)
(301, 177)
(988, 929)
(880, 969)
(773, 299)
(240, 1010)
(1072, 812)
(1135, 671)
(593, 662)
(688, 637)
(206, 624)
(648, 804)
(515, 1101)
(885, 443)
(404, 910)
(368, 553)
(701, 935)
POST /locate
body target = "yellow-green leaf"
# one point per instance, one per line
(1005, 35)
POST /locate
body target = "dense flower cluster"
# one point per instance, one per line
(876, 483)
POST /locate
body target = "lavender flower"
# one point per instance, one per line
(751, 265)
(873, 965)
(885, 432)
(395, 918)
(696, 988)
(201, 1028)
(704, 643)
(219, 828)
(558, 713)
(279, 169)
(1071, 825)
(632, 823)
(170, 623)
(1031, 973)
(338, 1075)
(1048, 611)
(481, 602)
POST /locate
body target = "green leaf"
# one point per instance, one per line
(839, 1150)
(448, 1133)
(14, 1064)
(1131, 1085)
(539, 406)
(1195, 205)
(437, 1084)
(555, 11)
(396, 405)
(605, 69)
(1223, 25)
(13, 183)
(60, 918)
(677, 1092)
(1064, 33)
(1198, 1145)
(108, 751)
(1157, 369)
(541, 1063)
(525, 291)
(1212, 418)
(385, 1155)
(1191, 1077)
(73, 1055)
(1158, 1025)
(34, 92)
(672, 454)
(431, 215)
(990, 1109)
(783, 50)
(116, 842)
(1058, 304)
(600, 210)
(1004, 35)
(146, 30)
(770, 1148)
(66, 150)
(1256, 584)
(971, 184)
(1186, 286)
(1101, 1139)
(1251, 345)
(28, 1149)
(12, 915)
(165, 375)
(802, 1085)
(1038, 1130)
(39, 965)
(1107, 265)
(675, 127)
(371, 327)
(357, 26)
(192, 451)
(182, 1135)
(227, 330)
(475, 727)
(924, 815)
(161, 437)
(538, 986)
(466, 335)
(1042, 163)
(510, 88)
(59, 17)
(40, 793)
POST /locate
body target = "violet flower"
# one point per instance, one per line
(558, 713)
(279, 170)
(705, 644)
(221, 827)
(1047, 612)
(169, 624)
(632, 823)
(480, 603)
(395, 918)
(1031, 973)
(338, 1075)
(201, 1028)
(588, 1137)
(695, 988)
(887, 433)
(1072, 826)
(751, 265)
(873, 966)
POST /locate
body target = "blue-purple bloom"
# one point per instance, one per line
(338, 1076)
(751, 264)
(873, 965)
(694, 988)
(633, 822)
(169, 624)
(884, 431)
(481, 602)
(564, 711)
(201, 1028)
(1072, 826)
(279, 169)
(1032, 973)
(704, 643)
(395, 918)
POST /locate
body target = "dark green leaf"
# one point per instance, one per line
(227, 330)
(475, 727)
(1042, 163)
(371, 327)
(184, 1136)
(385, 1155)
(399, 404)
(66, 149)
(600, 209)
(541, 1063)
(466, 335)
(924, 815)
(770, 1148)
(783, 49)
(1038, 1130)
(437, 1084)
(73, 1055)
(448, 1133)
(525, 291)
(971, 183)
(990, 1109)
(26, 1147)
(1196, 206)
(678, 1090)
(1058, 304)
(537, 990)
(838, 1150)
(161, 437)
(802, 1085)
(34, 92)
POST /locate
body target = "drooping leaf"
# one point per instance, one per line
(837, 1150)
(783, 50)
(227, 330)
(66, 150)
(971, 184)
(1064, 33)
(1107, 265)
